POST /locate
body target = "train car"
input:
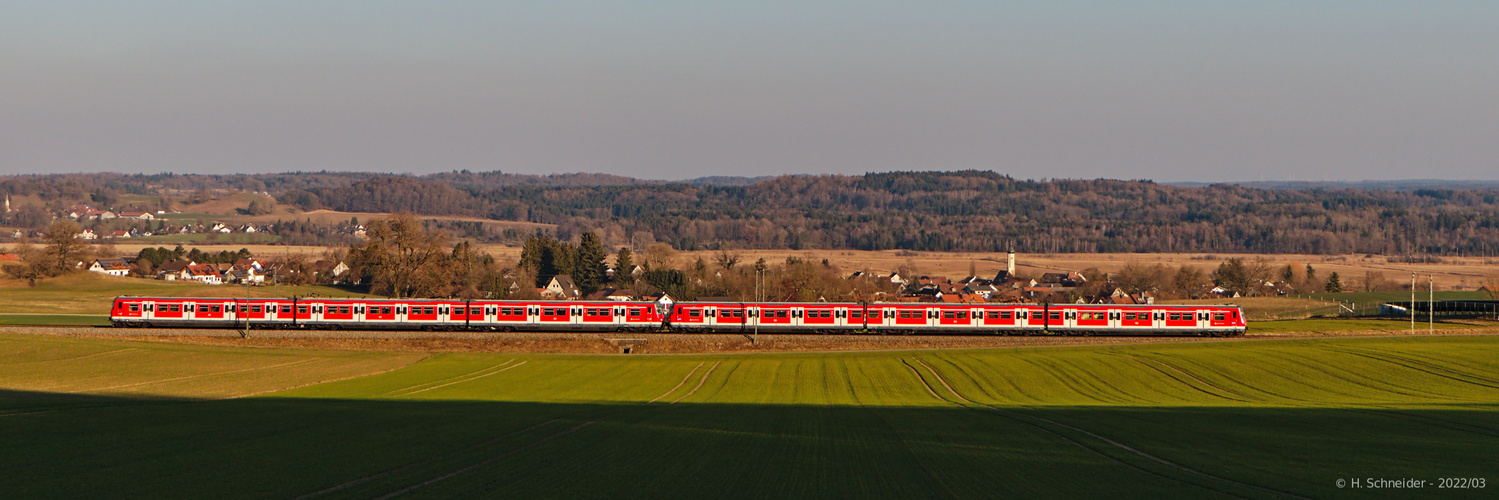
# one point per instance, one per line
(195, 311)
(790, 317)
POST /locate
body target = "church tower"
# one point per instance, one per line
(1010, 262)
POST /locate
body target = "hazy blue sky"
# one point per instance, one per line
(1173, 91)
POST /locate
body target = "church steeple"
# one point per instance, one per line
(1010, 262)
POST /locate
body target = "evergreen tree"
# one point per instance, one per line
(1234, 276)
(546, 258)
(1334, 283)
(623, 265)
(589, 270)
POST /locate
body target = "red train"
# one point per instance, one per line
(715, 317)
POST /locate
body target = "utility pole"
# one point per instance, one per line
(1431, 312)
(1413, 303)
(759, 301)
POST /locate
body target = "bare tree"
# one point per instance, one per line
(727, 260)
(400, 257)
(659, 256)
(63, 249)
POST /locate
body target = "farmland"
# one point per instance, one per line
(91, 417)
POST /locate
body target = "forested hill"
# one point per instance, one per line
(975, 211)
(972, 211)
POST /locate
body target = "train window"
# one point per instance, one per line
(475, 311)
(1219, 317)
(1176, 317)
(301, 309)
(1056, 315)
(1004, 315)
(962, 314)
(856, 314)
(947, 315)
(905, 314)
(693, 313)
(135, 308)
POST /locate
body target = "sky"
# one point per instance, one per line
(1164, 90)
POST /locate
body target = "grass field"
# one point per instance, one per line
(1334, 325)
(86, 417)
(56, 319)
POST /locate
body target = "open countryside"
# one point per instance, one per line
(1247, 419)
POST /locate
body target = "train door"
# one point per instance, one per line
(1204, 320)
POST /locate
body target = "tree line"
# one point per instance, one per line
(924, 211)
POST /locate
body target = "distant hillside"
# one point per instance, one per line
(1402, 185)
(969, 211)
(720, 180)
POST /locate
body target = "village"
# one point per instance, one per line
(1004, 287)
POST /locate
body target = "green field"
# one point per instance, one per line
(55, 319)
(1258, 419)
(1337, 325)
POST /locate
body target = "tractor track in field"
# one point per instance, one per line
(75, 358)
(679, 384)
(201, 375)
(1141, 360)
(470, 379)
(699, 383)
(439, 381)
(1111, 442)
